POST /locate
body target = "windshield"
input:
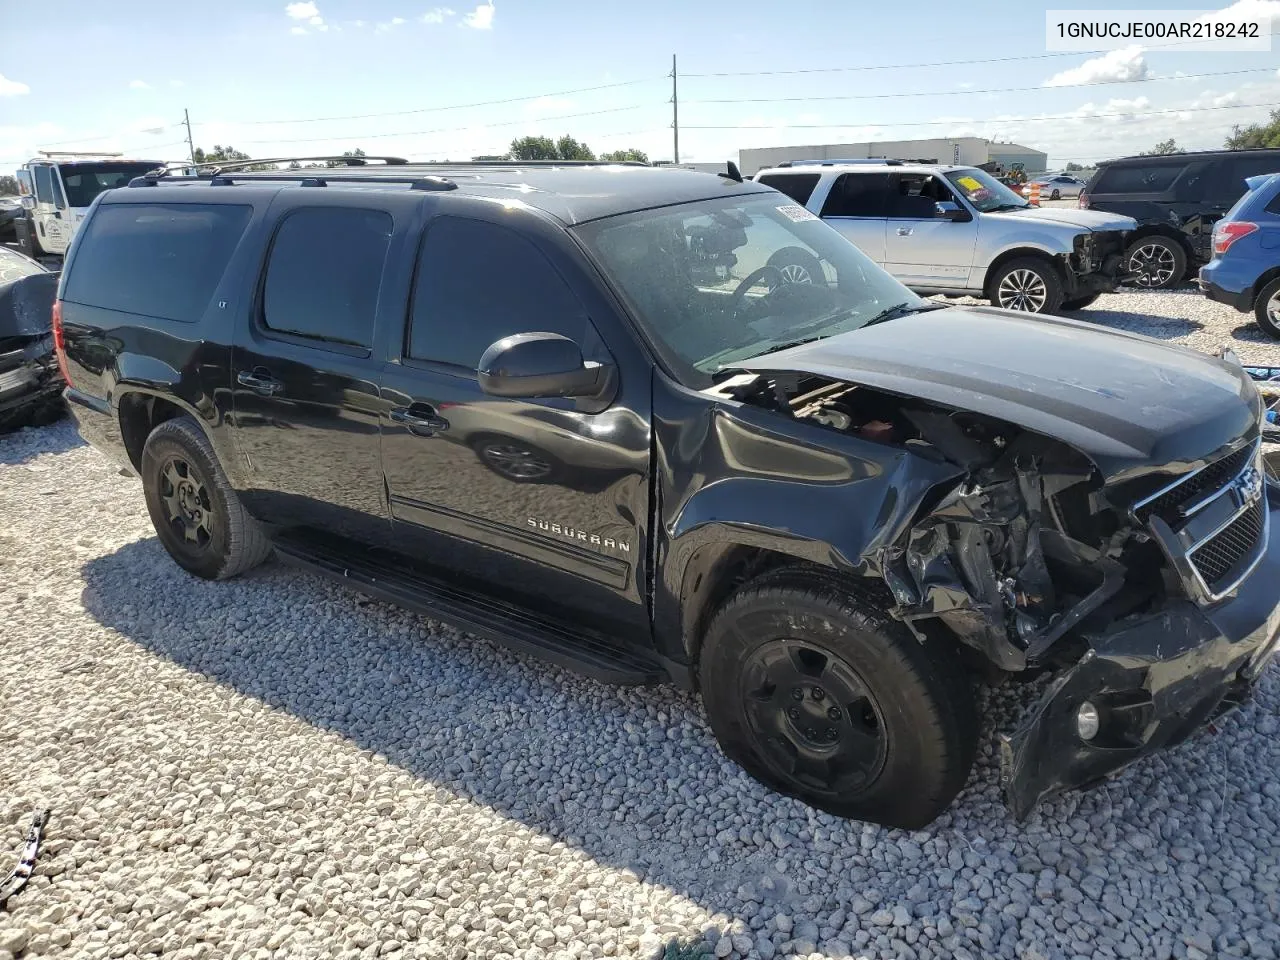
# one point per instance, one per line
(718, 281)
(984, 191)
(83, 182)
(14, 266)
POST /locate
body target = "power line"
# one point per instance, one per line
(459, 106)
(415, 133)
(965, 93)
(993, 120)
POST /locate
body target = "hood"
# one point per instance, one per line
(1127, 402)
(1069, 216)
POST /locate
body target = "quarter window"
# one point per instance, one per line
(325, 272)
(1139, 178)
(478, 282)
(155, 259)
(797, 186)
(858, 195)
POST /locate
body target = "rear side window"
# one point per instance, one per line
(1139, 178)
(797, 186)
(155, 259)
(1274, 205)
(324, 274)
(858, 195)
(478, 282)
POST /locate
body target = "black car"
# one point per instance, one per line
(825, 505)
(30, 385)
(1176, 200)
(10, 212)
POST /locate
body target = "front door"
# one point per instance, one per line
(923, 249)
(53, 229)
(856, 208)
(304, 381)
(533, 499)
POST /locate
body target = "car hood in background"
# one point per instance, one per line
(1127, 402)
(1069, 216)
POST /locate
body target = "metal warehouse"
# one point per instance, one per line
(966, 150)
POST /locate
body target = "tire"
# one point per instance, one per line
(1161, 262)
(1056, 195)
(232, 541)
(1266, 309)
(1039, 281)
(797, 266)
(899, 714)
(1079, 303)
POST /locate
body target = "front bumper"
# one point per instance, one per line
(1155, 680)
(28, 377)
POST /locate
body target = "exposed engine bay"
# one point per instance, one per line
(1033, 560)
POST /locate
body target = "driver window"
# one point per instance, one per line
(915, 196)
(44, 184)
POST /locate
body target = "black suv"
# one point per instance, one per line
(575, 410)
(1176, 200)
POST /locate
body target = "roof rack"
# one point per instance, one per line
(857, 161)
(70, 153)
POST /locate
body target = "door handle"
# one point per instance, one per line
(420, 417)
(904, 231)
(260, 381)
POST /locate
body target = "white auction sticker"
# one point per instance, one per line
(1238, 27)
(796, 213)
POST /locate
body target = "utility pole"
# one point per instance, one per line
(186, 118)
(675, 114)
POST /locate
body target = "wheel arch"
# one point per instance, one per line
(1262, 281)
(1147, 230)
(1018, 253)
(140, 411)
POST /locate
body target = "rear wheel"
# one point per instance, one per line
(1266, 309)
(197, 515)
(826, 699)
(1028, 284)
(1156, 263)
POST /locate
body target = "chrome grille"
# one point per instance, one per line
(1169, 506)
(1218, 556)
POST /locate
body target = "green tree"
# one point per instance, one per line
(1163, 149)
(8, 186)
(1074, 167)
(356, 154)
(1256, 134)
(570, 149)
(218, 154)
(620, 156)
(534, 148)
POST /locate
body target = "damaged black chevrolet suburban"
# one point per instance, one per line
(580, 410)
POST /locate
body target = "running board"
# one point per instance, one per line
(525, 631)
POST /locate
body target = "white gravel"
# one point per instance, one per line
(277, 767)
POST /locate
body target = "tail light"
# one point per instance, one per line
(1228, 232)
(60, 341)
(1083, 201)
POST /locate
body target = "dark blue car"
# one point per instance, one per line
(1245, 269)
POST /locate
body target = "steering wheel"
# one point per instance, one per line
(750, 280)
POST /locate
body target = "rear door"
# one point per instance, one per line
(303, 376)
(856, 207)
(532, 498)
(53, 230)
(923, 249)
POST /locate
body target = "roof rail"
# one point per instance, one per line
(857, 161)
(69, 153)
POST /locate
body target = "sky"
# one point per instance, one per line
(428, 82)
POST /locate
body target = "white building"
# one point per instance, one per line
(970, 151)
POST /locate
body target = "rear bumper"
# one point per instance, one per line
(1155, 680)
(1220, 283)
(99, 426)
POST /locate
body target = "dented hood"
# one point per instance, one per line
(1127, 402)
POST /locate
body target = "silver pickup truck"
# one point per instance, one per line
(959, 231)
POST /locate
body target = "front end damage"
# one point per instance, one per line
(1148, 596)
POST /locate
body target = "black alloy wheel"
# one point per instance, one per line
(188, 507)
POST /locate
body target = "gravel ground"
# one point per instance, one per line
(275, 766)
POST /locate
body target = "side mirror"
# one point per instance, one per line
(531, 365)
(950, 210)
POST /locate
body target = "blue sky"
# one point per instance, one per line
(259, 73)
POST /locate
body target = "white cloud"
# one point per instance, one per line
(12, 88)
(481, 18)
(298, 31)
(1249, 10)
(389, 24)
(396, 21)
(1123, 65)
(302, 11)
(139, 85)
(438, 15)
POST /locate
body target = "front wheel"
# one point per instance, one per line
(1156, 263)
(1266, 309)
(197, 515)
(826, 699)
(1056, 195)
(1028, 284)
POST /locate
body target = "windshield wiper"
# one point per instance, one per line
(900, 310)
(1009, 206)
